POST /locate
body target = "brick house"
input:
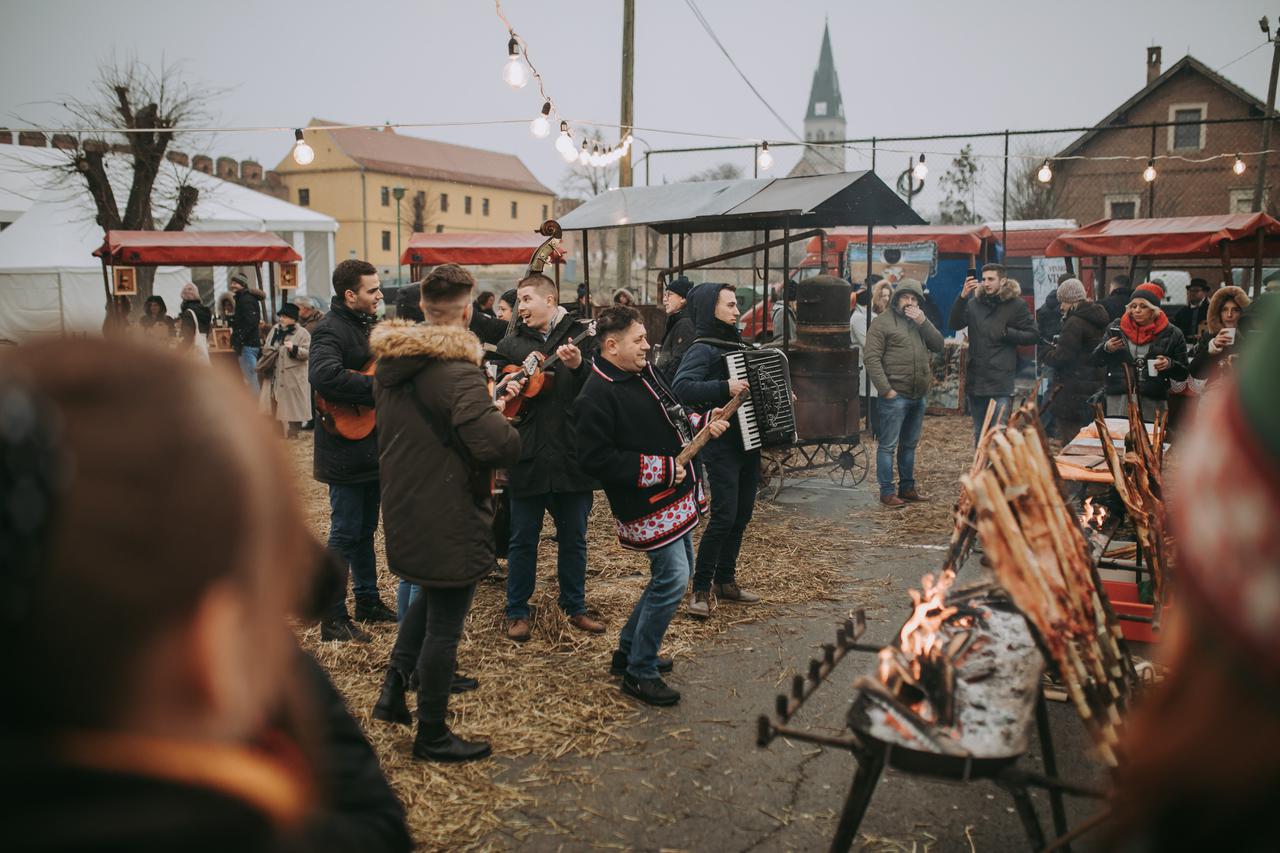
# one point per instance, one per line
(1188, 93)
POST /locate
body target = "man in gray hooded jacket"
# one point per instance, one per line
(898, 345)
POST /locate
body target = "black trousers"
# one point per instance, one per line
(428, 642)
(734, 476)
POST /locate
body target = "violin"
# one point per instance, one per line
(534, 372)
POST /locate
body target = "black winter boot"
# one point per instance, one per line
(434, 742)
(391, 707)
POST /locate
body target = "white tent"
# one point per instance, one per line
(50, 283)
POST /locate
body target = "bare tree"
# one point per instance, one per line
(1029, 197)
(585, 181)
(722, 172)
(959, 185)
(155, 106)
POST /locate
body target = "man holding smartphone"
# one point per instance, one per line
(998, 322)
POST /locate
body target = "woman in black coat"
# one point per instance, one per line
(1144, 341)
(1214, 349)
(1076, 376)
(193, 317)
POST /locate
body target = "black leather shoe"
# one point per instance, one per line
(437, 743)
(391, 707)
(373, 610)
(462, 683)
(619, 664)
(651, 691)
(342, 630)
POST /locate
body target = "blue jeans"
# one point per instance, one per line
(901, 419)
(405, 594)
(978, 411)
(353, 518)
(569, 510)
(248, 366)
(642, 635)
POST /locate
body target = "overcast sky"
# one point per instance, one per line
(906, 67)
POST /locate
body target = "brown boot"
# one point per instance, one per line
(733, 594)
(912, 496)
(892, 501)
(518, 630)
(583, 622)
(700, 606)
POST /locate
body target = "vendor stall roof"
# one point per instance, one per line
(1171, 237)
(814, 201)
(474, 248)
(951, 239)
(194, 248)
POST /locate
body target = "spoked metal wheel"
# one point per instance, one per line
(847, 464)
(773, 467)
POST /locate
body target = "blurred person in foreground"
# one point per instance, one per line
(1075, 374)
(164, 704)
(1203, 752)
(439, 436)
(1144, 341)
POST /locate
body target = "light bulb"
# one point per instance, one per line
(541, 125)
(568, 152)
(921, 171)
(764, 159)
(1238, 166)
(514, 72)
(1045, 175)
(303, 153)
(584, 155)
(596, 159)
(1149, 173)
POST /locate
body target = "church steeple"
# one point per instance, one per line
(824, 95)
(824, 120)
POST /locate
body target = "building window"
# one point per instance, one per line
(386, 241)
(386, 196)
(513, 210)
(484, 207)
(444, 202)
(466, 204)
(1123, 206)
(544, 213)
(819, 108)
(304, 197)
(1241, 201)
(439, 229)
(1187, 132)
(420, 200)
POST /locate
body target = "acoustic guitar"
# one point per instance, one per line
(351, 421)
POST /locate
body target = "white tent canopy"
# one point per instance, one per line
(50, 283)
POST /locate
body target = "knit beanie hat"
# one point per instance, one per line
(288, 310)
(1149, 291)
(1071, 290)
(680, 287)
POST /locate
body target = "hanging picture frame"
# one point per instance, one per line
(124, 281)
(289, 276)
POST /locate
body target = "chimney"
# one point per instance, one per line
(1153, 64)
(228, 169)
(65, 142)
(250, 172)
(178, 157)
(31, 137)
(202, 163)
(6, 136)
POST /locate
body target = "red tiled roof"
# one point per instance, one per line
(415, 157)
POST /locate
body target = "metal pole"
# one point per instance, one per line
(646, 168)
(1151, 187)
(866, 385)
(755, 161)
(626, 236)
(786, 275)
(761, 326)
(399, 271)
(586, 271)
(1261, 184)
(1004, 202)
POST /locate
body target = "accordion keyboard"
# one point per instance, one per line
(767, 417)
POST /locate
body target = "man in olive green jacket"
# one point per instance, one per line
(898, 345)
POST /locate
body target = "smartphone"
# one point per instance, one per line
(972, 273)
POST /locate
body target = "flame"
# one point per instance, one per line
(921, 634)
(1093, 516)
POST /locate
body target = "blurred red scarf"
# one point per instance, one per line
(1143, 334)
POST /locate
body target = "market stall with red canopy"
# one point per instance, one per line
(473, 248)
(1224, 237)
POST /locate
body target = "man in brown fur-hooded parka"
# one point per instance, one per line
(439, 438)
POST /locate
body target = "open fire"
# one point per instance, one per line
(1093, 516)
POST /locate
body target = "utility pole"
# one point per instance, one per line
(1271, 111)
(626, 236)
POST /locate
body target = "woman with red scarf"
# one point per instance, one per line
(1144, 341)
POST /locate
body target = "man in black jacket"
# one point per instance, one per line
(1191, 316)
(547, 477)
(734, 473)
(631, 428)
(679, 332)
(246, 337)
(339, 351)
(998, 322)
(1118, 296)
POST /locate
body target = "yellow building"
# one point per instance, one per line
(447, 187)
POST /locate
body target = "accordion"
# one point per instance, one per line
(767, 417)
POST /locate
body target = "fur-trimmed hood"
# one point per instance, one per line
(1213, 319)
(1011, 289)
(403, 348)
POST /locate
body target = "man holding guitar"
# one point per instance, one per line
(340, 357)
(547, 477)
(632, 434)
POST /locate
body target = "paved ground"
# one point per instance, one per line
(700, 783)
